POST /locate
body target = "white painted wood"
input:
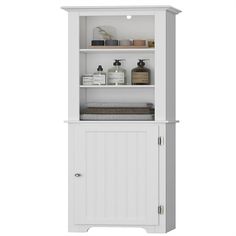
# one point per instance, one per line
(116, 86)
(117, 50)
(136, 9)
(170, 177)
(122, 122)
(73, 62)
(170, 66)
(170, 115)
(160, 67)
(107, 12)
(71, 157)
(118, 167)
(149, 229)
(73, 103)
(162, 179)
(165, 65)
(125, 174)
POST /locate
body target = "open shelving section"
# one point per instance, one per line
(138, 27)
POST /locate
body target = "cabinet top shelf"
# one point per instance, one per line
(117, 50)
(117, 8)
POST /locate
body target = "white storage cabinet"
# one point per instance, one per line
(122, 173)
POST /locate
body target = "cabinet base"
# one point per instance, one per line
(85, 228)
(80, 228)
(152, 229)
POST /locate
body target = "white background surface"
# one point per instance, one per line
(33, 103)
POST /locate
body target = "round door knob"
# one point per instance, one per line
(77, 175)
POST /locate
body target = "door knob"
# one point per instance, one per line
(77, 175)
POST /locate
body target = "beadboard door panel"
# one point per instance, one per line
(118, 167)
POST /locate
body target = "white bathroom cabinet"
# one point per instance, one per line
(122, 173)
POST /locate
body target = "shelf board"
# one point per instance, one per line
(121, 121)
(111, 121)
(117, 50)
(117, 86)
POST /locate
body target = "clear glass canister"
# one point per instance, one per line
(117, 74)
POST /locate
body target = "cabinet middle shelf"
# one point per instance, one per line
(117, 86)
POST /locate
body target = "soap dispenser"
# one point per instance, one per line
(116, 74)
(141, 74)
(99, 77)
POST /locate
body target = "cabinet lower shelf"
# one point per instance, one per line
(117, 86)
(122, 121)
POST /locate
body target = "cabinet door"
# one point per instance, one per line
(118, 174)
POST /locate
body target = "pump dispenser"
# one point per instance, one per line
(116, 74)
(99, 77)
(141, 74)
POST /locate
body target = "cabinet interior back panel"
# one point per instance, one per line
(122, 95)
(142, 27)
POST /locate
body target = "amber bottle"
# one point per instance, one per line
(141, 74)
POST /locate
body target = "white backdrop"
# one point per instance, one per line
(33, 105)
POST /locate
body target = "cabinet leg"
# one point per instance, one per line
(82, 228)
(151, 229)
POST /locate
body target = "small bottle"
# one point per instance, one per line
(99, 77)
(140, 75)
(116, 74)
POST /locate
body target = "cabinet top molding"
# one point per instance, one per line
(117, 8)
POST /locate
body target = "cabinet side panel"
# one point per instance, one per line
(160, 68)
(170, 66)
(170, 177)
(73, 106)
(71, 156)
(170, 115)
(73, 68)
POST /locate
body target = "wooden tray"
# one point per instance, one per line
(118, 47)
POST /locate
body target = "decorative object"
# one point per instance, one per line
(111, 42)
(125, 42)
(139, 42)
(140, 75)
(116, 74)
(151, 43)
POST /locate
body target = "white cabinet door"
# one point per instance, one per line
(118, 174)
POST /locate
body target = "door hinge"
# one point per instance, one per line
(160, 141)
(160, 210)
